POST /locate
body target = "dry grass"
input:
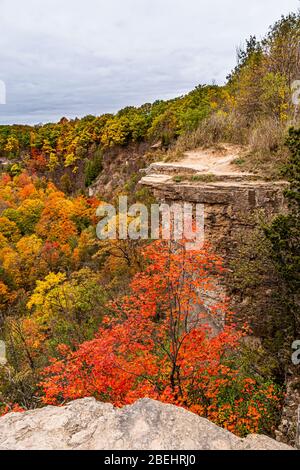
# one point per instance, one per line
(267, 152)
(219, 127)
(264, 139)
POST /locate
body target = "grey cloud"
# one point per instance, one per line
(74, 58)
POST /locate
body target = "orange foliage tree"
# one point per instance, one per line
(163, 342)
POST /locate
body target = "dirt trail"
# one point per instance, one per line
(217, 160)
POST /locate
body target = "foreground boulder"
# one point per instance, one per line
(147, 424)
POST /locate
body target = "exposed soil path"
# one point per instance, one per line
(218, 160)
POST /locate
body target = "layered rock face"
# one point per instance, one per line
(230, 197)
(233, 200)
(146, 425)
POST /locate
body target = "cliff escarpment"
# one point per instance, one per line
(212, 178)
(237, 204)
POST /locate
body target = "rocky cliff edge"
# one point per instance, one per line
(147, 424)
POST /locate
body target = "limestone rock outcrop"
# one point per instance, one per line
(147, 424)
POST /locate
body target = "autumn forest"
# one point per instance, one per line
(124, 319)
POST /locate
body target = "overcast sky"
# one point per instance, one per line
(73, 57)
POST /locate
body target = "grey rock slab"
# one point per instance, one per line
(147, 424)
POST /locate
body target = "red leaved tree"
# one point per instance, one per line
(166, 342)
